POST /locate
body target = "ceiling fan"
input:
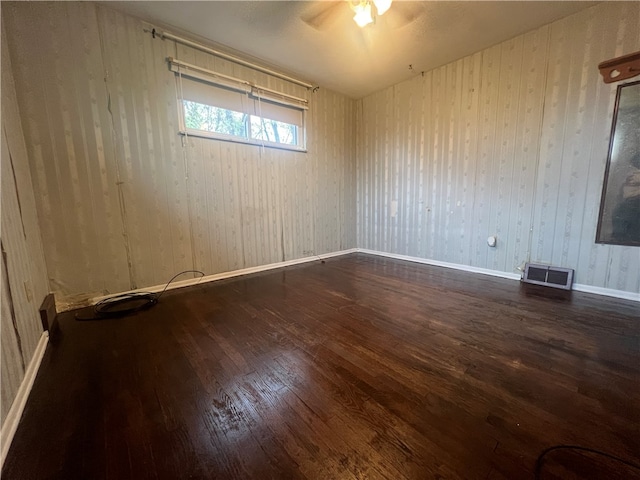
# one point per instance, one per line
(363, 9)
(365, 12)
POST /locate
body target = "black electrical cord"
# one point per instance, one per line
(128, 303)
(540, 459)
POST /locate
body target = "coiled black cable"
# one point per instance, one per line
(128, 303)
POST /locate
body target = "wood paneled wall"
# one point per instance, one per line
(511, 141)
(23, 276)
(125, 202)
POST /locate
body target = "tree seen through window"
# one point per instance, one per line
(228, 122)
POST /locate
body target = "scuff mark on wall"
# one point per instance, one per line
(121, 201)
(70, 302)
(15, 182)
(116, 162)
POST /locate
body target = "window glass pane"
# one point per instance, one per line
(273, 131)
(214, 119)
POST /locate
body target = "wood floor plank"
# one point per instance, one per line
(357, 368)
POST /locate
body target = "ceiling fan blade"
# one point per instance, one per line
(323, 14)
(403, 13)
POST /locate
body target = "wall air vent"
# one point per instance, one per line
(547, 275)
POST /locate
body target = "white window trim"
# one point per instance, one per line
(190, 132)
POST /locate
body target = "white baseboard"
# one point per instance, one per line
(233, 273)
(10, 424)
(609, 292)
(426, 261)
(438, 263)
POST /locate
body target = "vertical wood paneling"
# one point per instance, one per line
(128, 202)
(510, 141)
(515, 143)
(60, 87)
(472, 123)
(152, 172)
(17, 262)
(531, 98)
(574, 145)
(487, 117)
(12, 369)
(23, 270)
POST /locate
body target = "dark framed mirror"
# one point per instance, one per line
(619, 219)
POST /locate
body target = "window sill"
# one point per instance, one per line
(245, 141)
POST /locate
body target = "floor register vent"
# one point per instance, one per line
(547, 275)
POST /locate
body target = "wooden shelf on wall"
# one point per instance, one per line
(620, 68)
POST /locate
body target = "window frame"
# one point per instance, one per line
(253, 92)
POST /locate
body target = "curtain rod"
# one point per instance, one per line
(299, 102)
(226, 56)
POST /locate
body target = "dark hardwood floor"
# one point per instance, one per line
(361, 367)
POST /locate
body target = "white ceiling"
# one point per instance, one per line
(336, 53)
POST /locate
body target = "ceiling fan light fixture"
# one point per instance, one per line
(382, 6)
(363, 14)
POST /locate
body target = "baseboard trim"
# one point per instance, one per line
(456, 266)
(10, 424)
(609, 292)
(233, 273)
(438, 263)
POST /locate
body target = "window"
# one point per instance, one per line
(217, 106)
(198, 116)
(207, 118)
